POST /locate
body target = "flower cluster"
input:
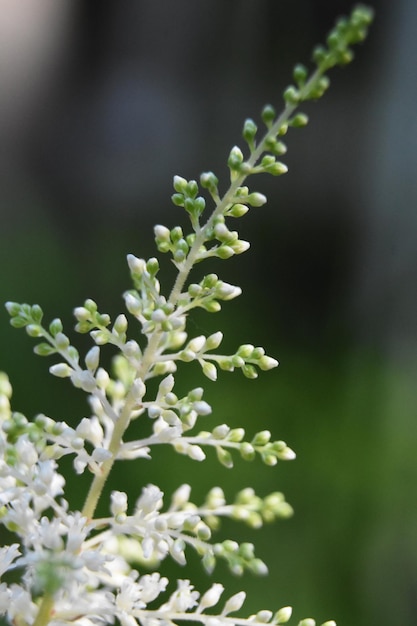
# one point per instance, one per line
(82, 569)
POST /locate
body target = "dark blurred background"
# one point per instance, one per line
(101, 103)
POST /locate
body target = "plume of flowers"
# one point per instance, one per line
(82, 569)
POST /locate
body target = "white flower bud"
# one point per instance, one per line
(133, 305)
(210, 371)
(162, 233)
(92, 358)
(181, 496)
(234, 603)
(283, 615)
(196, 344)
(213, 341)
(118, 502)
(166, 385)
(267, 363)
(84, 380)
(100, 455)
(202, 408)
(211, 597)
(196, 453)
(136, 266)
(61, 370)
(256, 199)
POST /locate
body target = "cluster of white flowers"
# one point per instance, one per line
(73, 567)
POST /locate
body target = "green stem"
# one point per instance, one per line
(228, 197)
(120, 427)
(45, 610)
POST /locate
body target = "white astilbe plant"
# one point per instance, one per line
(76, 567)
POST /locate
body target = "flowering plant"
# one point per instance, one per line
(80, 568)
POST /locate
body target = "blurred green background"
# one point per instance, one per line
(102, 103)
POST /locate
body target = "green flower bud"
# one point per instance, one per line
(283, 615)
(247, 451)
(13, 308)
(213, 341)
(209, 370)
(249, 132)
(249, 371)
(178, 199)
(256, 199)
(268, 115)
(236, 435)
(209, 181)
(235, 159)
(56, 327)
(224, 457)
(261, 438)
(237, 210)
(162, 233)
(299, 120)
(191, 189)
(300, 74)
(92, 358)
(180, 184)
(291, 95)
(34, 330)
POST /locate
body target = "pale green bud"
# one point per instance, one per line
(84, 380)
(224, 457)
(133, 305)
(224, 252)
(212, 596)
(235, 158)
(196, 344)
(120, 324)
(261, 438)
(259, 568)
(247, 451)
(5, 386)
(180, 184)
(240, 246)
(221, 431)
(234, 603)
(238, 210)
(102, 378)
(264, 616)
(236, 435)
(213, 341)
(136, 266)
(61, 341)
(34, 330)
(256, 199)
(266, 363)
(166, 385)
(209, 370)
(162, 233)
(307, 622)
(92, 358)
(61, 370)
(283, 615)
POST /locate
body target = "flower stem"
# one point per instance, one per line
(45, 610)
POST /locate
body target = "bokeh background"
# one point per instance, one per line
(101, 103)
